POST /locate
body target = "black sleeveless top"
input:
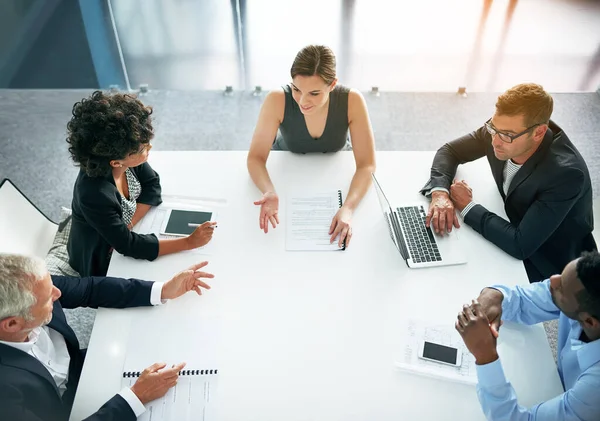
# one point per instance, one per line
(294, 133)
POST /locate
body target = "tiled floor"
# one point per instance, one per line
(401, 45)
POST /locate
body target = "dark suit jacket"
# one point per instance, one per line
(549, 201)
(28, 391)
(98, 225)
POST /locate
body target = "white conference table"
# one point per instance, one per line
(313, 336)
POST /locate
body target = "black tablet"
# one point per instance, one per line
(184, 222)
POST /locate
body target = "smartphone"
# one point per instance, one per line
(440, 353)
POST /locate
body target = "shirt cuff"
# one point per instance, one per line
(156, 293)
(136, 405)
(467, 208)
(491, 375)
(428, 194)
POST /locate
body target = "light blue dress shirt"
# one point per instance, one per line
(578, 364)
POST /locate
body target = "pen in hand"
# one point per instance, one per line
(192, 225)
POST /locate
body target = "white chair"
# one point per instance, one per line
(24, 229)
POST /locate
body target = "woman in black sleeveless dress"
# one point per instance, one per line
(313, 114)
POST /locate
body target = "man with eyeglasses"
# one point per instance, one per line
(542, 178)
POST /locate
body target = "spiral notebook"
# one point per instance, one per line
(192, 341)
(309, 219)
(190, 399)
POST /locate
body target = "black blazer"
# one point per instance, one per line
(549, 202)
(98, 225)
(28, 391)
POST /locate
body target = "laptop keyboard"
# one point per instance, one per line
(419, 239)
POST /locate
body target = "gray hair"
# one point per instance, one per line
(18, 274)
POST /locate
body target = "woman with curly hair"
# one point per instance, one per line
(109, 137)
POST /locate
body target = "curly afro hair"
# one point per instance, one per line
(588, 272)
(105, 127)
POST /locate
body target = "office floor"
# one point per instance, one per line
(33, 151)
(410, 46)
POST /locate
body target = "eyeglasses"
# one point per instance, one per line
(505, 137)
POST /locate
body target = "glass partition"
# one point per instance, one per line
(178, 44)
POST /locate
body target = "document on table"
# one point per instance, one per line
(193, 396)
(417, 331)
(308, 220)
(190, 399)
(154, 220)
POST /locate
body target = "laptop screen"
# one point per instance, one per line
(383, 202)
(389, 216)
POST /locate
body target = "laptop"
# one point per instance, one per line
(418, 245)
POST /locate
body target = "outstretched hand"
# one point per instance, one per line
(269, 206)
(185, 281)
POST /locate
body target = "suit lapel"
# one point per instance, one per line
(527, 169)
(59, 323)
(21, 360)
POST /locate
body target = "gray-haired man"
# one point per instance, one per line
(40, 359)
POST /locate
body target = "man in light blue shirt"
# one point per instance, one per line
(574, 298)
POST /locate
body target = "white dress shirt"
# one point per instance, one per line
(49, 347)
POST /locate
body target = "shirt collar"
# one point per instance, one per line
(26, 346)
(588, 353)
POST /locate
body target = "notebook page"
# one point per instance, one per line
(192, 398)
(308, 219)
